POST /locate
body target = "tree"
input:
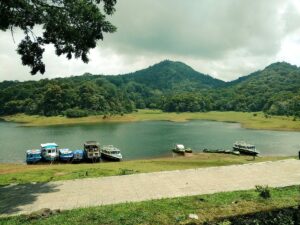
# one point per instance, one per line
(72, 26)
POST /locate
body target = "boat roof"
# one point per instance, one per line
(49, 145)
(91, 143)
(65, 150)
(110, 148)
(180, 146)
(33, 151)
(243, 143)
(78, 150)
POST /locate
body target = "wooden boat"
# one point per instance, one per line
(179, 149)
(33, 156)
(244, 148)
(78, 155)
(65, 154)
(92, 151)
(49, 151)
(110, 152)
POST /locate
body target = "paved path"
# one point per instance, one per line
(19, 199)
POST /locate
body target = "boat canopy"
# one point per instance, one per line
(111, 149)
(91, 143)
(65, 151)
(49, 145)
(180, 146)
(78, 151)
(33, 151)
(244, 144)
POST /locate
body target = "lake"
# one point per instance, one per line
(149, 139)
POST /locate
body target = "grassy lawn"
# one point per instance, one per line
(247, 120)
(21, 173)
(171, 211)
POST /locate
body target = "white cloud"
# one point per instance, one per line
(226, 39)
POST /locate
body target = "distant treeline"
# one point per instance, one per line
(169, 86)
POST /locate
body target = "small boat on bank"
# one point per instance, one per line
(188, 150)
(245, 148)
(179, 149)
(78, 155)
(92, 151)
(33, 156)
(110, 152)
(49, 151)
(65, 154)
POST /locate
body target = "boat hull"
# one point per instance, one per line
(110, 157)
(65, 158)
(178, 151)
(33, 160)
(245, 151)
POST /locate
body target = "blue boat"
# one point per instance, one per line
(65, 154)
(78, 155)
(49, 151)
(33, 156)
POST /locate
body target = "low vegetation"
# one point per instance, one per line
(220, 208)
(21, 173)
(248, 120)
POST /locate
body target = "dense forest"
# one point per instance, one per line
(170, 86)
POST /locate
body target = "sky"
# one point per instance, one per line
(225, 39)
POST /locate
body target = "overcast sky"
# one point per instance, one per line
(223, 38)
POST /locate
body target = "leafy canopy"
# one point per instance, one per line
(72, 26)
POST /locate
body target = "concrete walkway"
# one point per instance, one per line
(20, 199)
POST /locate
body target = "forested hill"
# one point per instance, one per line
(169, 75)
(170, 86)
(276, 90)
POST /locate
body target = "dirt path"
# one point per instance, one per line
(19, 199)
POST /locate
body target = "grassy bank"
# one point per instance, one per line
(172, 211)
(247, 120)
(20, 173)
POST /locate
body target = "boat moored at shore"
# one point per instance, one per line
(179, 149)
(245, 148)
(92, 151)
(65, 154)
(33, 156)
(110, 152)
(49, 151)
(78, 155)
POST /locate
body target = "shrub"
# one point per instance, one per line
(263, 191)
(75, 113)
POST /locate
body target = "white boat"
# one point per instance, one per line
(245, 148)
(49, 151)
(179, 149)
(110, 152)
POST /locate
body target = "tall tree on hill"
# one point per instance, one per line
(72, 26)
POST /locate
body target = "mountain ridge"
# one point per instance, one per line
(170, 86)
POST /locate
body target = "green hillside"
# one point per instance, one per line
(276, 90)
(170, 86)
(169, 75)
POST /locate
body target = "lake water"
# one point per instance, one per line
(144, 139)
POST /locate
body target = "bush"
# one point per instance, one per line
(75, 113)
(263, 191)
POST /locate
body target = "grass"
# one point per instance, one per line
(21, 173)
(171, 211)
(247, 120)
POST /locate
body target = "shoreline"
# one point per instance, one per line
(246, 119)
(22, 173)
